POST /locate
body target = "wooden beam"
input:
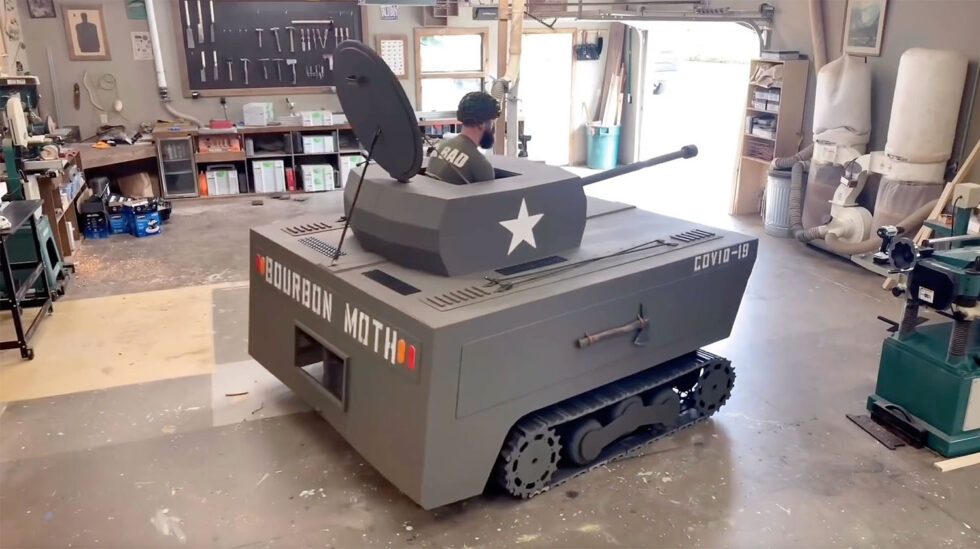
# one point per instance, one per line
(818, 37)
(958, 463)
(925, 232)
(503, 35)
(614, 58)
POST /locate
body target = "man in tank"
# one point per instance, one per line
(458, 160)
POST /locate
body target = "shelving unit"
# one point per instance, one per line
(756, 151)
(61, 213)
(259, 144)
(437, 14)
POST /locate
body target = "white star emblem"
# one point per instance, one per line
(522, 228)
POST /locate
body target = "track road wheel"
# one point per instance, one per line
(573, 447)
(667, 405)
(623, 407)
(529, 460)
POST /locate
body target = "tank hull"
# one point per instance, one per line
(437, 370)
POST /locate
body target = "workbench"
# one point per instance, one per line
(90, 158)
(118, 162)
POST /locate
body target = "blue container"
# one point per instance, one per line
(95, 225)
(142, 218)
(143, 224)
(603, 144)
(118, 223)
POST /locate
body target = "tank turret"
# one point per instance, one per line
(530, 212)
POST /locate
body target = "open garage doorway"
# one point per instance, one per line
(692, 91)
(545, 91)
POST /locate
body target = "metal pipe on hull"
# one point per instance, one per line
(687, 151)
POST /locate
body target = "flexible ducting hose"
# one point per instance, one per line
(800, 164)
(908, 225)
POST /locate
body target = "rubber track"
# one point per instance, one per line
(572, 409)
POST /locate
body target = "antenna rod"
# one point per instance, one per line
(357, 193)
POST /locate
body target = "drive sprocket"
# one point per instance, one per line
(714, 387)
(530, 458)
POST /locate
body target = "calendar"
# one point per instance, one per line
(394, 51)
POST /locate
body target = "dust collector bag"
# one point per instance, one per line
(823, 181)
(897, 199)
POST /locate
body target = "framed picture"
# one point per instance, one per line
(41, 9)
(85, 29)
(864, 25)
(393, 48)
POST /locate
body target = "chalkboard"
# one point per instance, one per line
(233, 34)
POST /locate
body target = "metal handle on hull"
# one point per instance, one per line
(687, 151)
(637, 327)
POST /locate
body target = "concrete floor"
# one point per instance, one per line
(190, 460)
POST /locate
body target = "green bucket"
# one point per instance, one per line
(603, 144)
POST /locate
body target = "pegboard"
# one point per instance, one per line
(318, 27)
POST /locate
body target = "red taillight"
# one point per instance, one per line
(260, 264)
(411, 357)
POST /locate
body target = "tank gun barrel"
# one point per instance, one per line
(687, 151)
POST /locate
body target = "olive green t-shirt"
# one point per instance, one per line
(458, 158)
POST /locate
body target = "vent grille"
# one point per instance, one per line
(305, 229)
(319, 246)
(457, 297)
(692, 236)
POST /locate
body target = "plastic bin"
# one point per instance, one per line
(603, 145)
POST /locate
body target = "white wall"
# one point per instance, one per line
(136, 79)
(945, 24)
(948, 24)
(137, 82)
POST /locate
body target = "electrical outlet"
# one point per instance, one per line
(104, 119)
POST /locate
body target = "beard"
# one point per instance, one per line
(486, 142)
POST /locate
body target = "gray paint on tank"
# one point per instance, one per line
(435, 433)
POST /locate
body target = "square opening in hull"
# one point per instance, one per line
(323, 364)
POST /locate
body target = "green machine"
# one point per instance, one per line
(928, 389)
(20, 248)
(25, 135)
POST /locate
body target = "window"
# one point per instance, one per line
(448, 64)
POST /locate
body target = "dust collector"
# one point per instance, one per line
(921, 131)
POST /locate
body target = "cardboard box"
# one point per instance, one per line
(222, 180)
(349, 162)
(258, 114)
(269, 176)
(137, 185)
(318, 177)
(118, 223)
(142, 218)
(145, 224)
(95, 225)
(116, 204)
(318, 144)
(317, 118)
